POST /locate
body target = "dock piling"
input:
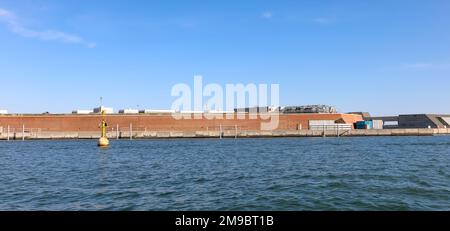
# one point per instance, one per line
(131, 131)
(23, 132)
(117, 131)
(7, 134)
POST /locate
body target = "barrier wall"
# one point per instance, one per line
(162, 122)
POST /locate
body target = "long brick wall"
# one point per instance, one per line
(161, 122)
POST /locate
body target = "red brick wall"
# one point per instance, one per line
(158, 122)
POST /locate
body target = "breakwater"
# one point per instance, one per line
(31, 135)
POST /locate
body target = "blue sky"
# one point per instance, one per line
(386, 57)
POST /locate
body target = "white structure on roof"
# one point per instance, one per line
(274, 109)
(219, 112)
(107, 110)
(151, 111)
(3, 112)
(82, 112)
(310, 109)
(129, 111)
(192, 112)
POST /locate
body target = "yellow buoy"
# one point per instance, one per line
(103, 141)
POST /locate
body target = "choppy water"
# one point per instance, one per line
(372, 173)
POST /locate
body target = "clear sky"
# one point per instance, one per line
(386, 56)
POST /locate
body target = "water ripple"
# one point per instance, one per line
(364, 173)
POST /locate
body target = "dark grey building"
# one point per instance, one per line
(424, 121)
(415, 121)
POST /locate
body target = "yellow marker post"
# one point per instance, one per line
(103, 141)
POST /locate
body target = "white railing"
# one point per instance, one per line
(334, 127)
(14, 132)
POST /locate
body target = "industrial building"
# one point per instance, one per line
(404, 121)
(325, 109)
(368, 122)
(318, 117)
(366, 115)
(424, 121)
(389, 122)
(166, 122)
(415, 121)
(309, 109)
(257, 109)
(310, 117)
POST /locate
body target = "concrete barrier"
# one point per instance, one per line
(163, 134)
(398, 132)
(356, 133)
(384, 132)
(443, 131)
(252, 134)
(189, 135)
(214, 134)
(427, 132)
(292, 133)
(370, 132)
(412, 132)
(149, 134)
(279, 133)
(176, 134)
(243, 134)
(226, 134)
(88, 135)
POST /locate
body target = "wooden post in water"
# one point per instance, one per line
(131, 131)
(236, 130)
(7, 134)
(117, 131)
(221, 131)
(23, 132)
